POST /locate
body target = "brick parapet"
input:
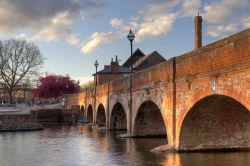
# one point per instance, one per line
(226, 55)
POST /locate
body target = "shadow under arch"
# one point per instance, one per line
(215, 122)
(118, 119)
(90, 114)
(149, 121)
(101, 116)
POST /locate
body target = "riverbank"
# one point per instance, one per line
(33, 119)
(19, 122)
(31, 126)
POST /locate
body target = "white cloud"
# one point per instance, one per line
(47, 20)
(191, 7)
(97, 39)
(115, 22)
(217, 31)
(58, 28)
(155, 19)
(246, 22)
(152, 21)
(155, 25)
(216, 12)
(73, 39)
(22, 36)
(224, 16)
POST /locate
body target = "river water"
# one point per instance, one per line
(84, 146)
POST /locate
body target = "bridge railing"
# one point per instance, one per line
(121, 84)
(102, 89)
(152, 76)
(222, 56)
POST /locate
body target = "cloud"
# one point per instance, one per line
(217, 31)
(58, 28)
(224, 16)
(191, 7)
(155, 25)
(222, 11)
(152, 21)
(51, 20)
(48, 20)
(246, 22)
(73, 39)
(115, 22)
(97, 39)
(156, 19)
(22, 36)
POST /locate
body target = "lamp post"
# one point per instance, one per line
(96, 64)
(131, 38)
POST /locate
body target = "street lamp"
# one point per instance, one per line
(131, 37)
(96, 64)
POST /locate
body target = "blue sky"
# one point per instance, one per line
(72, 34)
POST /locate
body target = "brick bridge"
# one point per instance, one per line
(199, 100)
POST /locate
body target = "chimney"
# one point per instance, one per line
(114, 65)
(198, 31)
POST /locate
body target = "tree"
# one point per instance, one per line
(53, 86)
(88, 85)
(20, 62)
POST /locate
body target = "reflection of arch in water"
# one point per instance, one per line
(118, 119)
(215, 122)
(82, 111)
(149, 121)
(90, 114)
(101, 116)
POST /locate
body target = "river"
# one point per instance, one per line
(84, 146)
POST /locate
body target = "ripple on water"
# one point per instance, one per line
(75, 146)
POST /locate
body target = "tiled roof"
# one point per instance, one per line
(132, 59)
(149, 60)
(121, 69)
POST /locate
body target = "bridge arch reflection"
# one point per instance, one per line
(82, 111)
(90, 113)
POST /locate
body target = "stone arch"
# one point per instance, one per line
(215, 122)
(90, 113)
(101, 116)
(149, 121)
(118, 119)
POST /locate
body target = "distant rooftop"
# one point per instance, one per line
(107, 69)
(148, 60)
(132, 59)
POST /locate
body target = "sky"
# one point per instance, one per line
(72, 34)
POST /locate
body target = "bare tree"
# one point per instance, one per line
(20, 62)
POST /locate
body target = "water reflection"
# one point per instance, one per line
(75, 146)
(172, 159)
